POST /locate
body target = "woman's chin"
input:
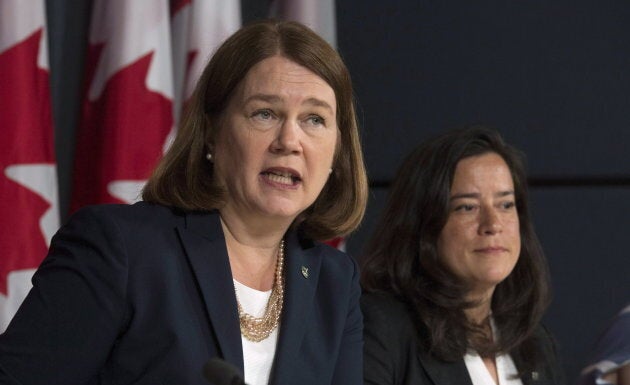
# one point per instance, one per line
(483, 286)
(283, 208)
(280, 212)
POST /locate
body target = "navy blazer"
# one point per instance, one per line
(395, 355)
(143, 294)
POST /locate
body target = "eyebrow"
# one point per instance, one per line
(318, 103)
(500, 194)
(275, 99)
(264, 98)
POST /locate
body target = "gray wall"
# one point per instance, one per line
(552, 76)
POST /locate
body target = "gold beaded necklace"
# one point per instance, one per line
(257, 329)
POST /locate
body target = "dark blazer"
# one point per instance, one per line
(143, 294)
(395, 355)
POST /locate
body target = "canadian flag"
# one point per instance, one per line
(141, 54)
(29, 209)
(198, 28)
(127, 102)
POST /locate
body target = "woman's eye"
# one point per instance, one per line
(263, 114)
(316, 120)
(508, 205)
(464, 208)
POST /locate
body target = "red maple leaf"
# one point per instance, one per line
(27, 138)
(121, 133)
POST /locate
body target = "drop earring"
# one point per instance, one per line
(209, 156)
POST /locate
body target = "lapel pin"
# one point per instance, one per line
(305, 271)
(535, 376)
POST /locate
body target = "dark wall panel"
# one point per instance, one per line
(376, 204)
(584, 233)
(551, 75)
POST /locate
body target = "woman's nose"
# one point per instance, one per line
(287, 138)
(490, 222)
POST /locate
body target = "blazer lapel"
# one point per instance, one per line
(301, 274)
(528, 378)
(206, 251)
(442, 372)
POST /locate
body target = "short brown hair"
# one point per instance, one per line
(184, 178)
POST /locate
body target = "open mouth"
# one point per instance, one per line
(282, 177)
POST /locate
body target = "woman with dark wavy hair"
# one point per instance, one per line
(455, 279)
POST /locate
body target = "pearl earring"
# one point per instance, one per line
(209, 157)
(329, 171)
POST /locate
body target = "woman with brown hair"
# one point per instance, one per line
(455, 279)
(221, 259)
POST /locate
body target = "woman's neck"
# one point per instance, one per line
(479, 315)
(253, 230)
(252, 252)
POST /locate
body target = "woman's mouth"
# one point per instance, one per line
(281, 177)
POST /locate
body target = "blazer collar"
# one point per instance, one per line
(456, 372)
(302, 267)
(442, 372)
(204, 242)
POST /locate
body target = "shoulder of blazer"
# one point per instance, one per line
(550, 360)
(329, 260)
(332, 257)
(387, 311)
(390, 343)
(138, 215)
(393, 322)
(548, 369)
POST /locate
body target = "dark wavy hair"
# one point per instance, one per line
(402, 258)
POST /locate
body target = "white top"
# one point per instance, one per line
(479, 374)
(257, 356)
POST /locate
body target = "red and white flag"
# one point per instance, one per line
(127, 108)
(198, 28)
(141, 54)
(29, 209)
